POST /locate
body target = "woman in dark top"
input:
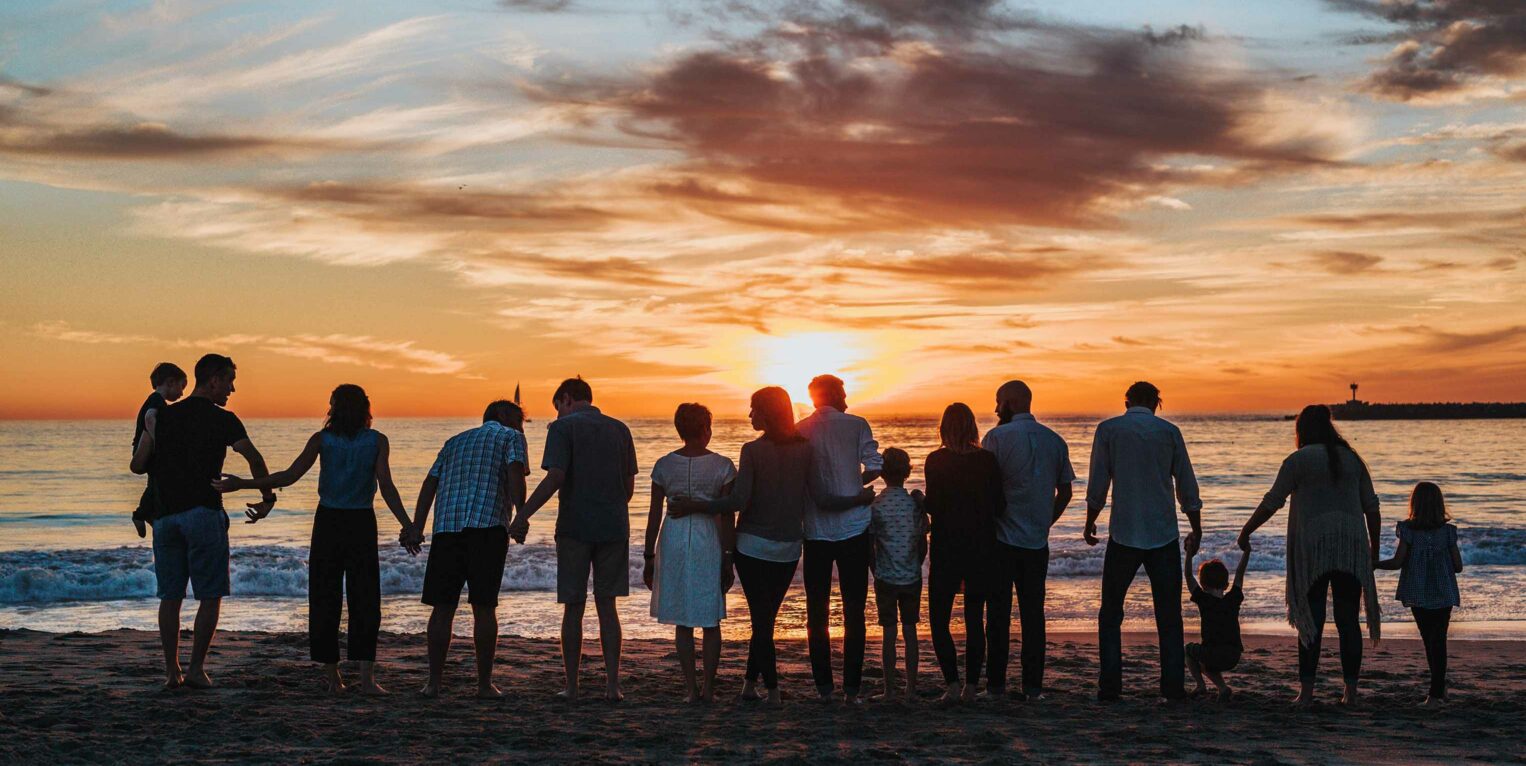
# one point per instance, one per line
(774, 486)
(342, 558)
(964, 498)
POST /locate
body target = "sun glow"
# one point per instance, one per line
(792, 360)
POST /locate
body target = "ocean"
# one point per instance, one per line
(70, 561)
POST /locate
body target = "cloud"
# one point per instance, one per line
(979, 270)
(875, 126)
(1447, 49)
(1345, 262)
(539, 6)
(144, 141)
(362, 350)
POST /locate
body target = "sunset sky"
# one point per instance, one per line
(1250, 204)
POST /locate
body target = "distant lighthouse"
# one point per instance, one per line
(1353, 394)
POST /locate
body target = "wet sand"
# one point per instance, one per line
(68, 698)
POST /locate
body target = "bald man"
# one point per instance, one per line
(1036, 481)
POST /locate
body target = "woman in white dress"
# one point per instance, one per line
(688, 565)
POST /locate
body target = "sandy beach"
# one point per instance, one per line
(70, 698)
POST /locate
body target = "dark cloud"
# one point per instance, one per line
(136, 142)
(1445, 46)
(879, 126)
(400, 203)
(1432, 340)
(1345, 262)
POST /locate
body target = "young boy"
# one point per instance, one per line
(1220, 648)
(169, 383)
(899, 546)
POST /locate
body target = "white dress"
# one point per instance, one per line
(686, 586)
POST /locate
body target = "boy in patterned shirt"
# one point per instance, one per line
(900, 535)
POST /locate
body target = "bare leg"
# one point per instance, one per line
(207, 613)
(169, 639)
(1225, 693)
(1305, 692)
(368, 684)
(1197, 675)
(684, 637)
(441, 621)
(333, 683)
(887, 661)
(712, 662)
(913, 659)
(610, 639)
(485, 637)
(572, 647)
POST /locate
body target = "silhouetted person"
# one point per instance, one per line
(1036, 483)
(169, 383)
(590, 460)
(964, 499)
(183, 452)
(476, 479)
(342, 561)
(1144, 460)
(1332, 544)
(846, 459)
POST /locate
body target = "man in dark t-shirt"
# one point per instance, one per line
(590, 459)
(182, 450)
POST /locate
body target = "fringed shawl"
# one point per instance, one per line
(1327, 530)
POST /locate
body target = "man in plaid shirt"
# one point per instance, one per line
(478, 476)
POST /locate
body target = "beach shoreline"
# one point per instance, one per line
(93, 697)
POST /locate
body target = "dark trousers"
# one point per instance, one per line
(1347, 592)
(764, 583)
(852, 559)
(1433, 632)
(1163, 565)
(342, 565)
(947, 575)
(1025, 571)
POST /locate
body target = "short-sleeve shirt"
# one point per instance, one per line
(598, 456)
(1034, 460)
(693, 478)
(471, 469)
(155, 401)
(1427, 579)
(896, 524)
(1221, 617)
(191, 439)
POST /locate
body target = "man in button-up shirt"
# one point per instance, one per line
(1144, 459)
(478, 476)
(1036, 477)
(846, 458)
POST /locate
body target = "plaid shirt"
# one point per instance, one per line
(471, 468)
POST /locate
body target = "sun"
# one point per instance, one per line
(792, 360)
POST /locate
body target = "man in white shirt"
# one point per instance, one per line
(1036, 482)
(846, 458)
(1144, 459)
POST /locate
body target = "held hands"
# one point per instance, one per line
(519, 528)
(1090, 533)
(230, 483)
(259, 510)
(1193, 542)
(411, 538)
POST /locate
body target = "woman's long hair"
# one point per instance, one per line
(349, 410)
(1427, 508)
(1316, 426)
(958, 429)
(774, 407)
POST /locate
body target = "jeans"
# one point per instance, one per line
(1433, 631)
(1347, 592)
(1163, 565)
(946, 575)
(1026, 571)
(852, 559)
(342, 565)
(764, 584)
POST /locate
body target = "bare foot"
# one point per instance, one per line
(332, 682)
(749, 693)
(430, 690)
(950, 697)
(1304, 699)
(613, 695)
(198, 679)
(995, 695)
(568, 695)
(852, 700)
(142, 528)
(1199, 691)
(176, 681)
(824, 695)
(488, 692)
(969, 693)
(1349, 698)
(370, 688)
(886, 696)
(1226, 694)
(775, 699)
(1431, 701)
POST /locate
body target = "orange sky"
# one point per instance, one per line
(1249, 206)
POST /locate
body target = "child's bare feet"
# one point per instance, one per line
(969, 694)
(1349, 698)
(749, 692)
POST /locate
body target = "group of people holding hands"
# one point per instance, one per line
(799, 496)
